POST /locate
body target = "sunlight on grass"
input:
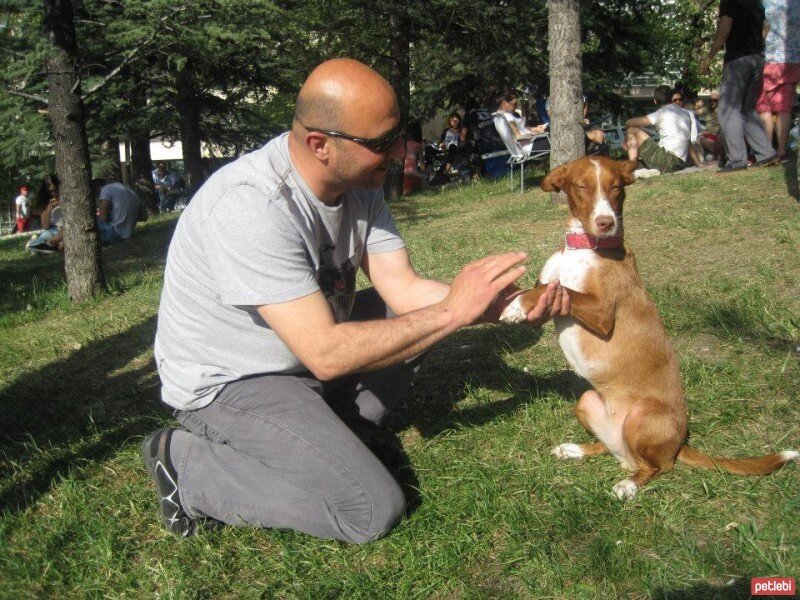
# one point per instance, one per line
(493, 514)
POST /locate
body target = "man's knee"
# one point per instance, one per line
(387, 505)
(638, 133)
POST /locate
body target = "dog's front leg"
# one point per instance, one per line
(517, 311)
(594, 313)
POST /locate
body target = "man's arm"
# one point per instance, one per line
(398, 284)
(103, 210)
(46, 217)
(720, 37)
(329, 349)
(638, 122)
(403, 290)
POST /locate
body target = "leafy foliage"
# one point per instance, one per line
(245, 60)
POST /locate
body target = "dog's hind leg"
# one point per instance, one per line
(627, 488)
(589, 409)
(653, 436)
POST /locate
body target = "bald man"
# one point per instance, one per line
(277, 370)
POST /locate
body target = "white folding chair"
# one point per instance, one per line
(520, 154)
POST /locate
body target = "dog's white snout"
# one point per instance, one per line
(604, 218)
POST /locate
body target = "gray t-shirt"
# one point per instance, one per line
(125, 206)
(255, 234)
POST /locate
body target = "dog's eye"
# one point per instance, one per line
(581, 187)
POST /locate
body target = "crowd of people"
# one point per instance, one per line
(471, 146)
(747, 122)
(118, 209)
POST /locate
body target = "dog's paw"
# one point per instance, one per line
(513, 313)
(567, 451)
(625, 489)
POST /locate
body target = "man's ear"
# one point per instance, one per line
(555, 179)
(626, 169)
(318, 144)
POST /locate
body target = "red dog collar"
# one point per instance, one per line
(586, 241)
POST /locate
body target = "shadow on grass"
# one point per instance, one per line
(792, 181)
(83, 408)
(472, 359)
(706, 591)
(77, 410)
(22, 278)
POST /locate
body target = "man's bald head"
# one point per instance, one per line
(345, 95)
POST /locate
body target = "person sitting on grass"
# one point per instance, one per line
(51, 217)
(711, 137)
(118, 210)
(677, 131)
(277, 370)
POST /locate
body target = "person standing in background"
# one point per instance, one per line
(781, 71)
(23, 208)
(163, 182)
(741, 30)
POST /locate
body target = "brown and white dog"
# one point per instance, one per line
(615, 339)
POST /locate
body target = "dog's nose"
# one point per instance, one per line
(604, 224)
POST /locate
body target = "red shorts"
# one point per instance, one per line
(777, 92)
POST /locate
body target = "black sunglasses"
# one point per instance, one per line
(677, 99)
(379, 144)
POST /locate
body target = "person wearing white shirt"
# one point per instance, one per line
(23, 208)
(677, 131)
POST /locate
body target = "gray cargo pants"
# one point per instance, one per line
(281, 451)
(738, 93)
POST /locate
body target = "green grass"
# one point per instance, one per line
(493, 514)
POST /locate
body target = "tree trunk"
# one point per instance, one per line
(401, 82)
(141, 164)
(142, 171)
(566, 88)
(82, 263)
(190, 132)
(113, 168)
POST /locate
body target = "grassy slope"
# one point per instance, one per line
(494, 515)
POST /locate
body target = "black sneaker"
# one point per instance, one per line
(42, 248)
(729, 168)
(772, 161)
(155, 452)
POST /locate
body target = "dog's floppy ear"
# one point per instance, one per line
(626, 169)
(555, 179)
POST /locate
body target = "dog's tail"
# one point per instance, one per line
(755, 465)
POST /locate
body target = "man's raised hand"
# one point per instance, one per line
(478, 284)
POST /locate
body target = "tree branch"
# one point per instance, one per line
(13, 52)
(41, 99)
(131, 55)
